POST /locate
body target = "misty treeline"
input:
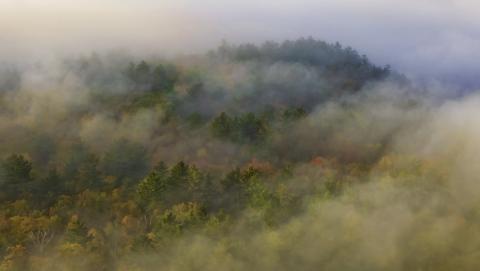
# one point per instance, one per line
(299, 155)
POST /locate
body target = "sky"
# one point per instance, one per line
(437, 39)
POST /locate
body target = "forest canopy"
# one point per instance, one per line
(300, 155)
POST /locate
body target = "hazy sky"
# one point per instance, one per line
(438, 38)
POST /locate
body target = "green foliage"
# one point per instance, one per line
(222, 126)
(147, 100)
(125, 160)
(181, 217)
(161, 78)
(250, 128)
(339, 61)
(231, 182)
(81, 169)
(164, 78)
(47, 189)
(247, 128)
(15, 178)
(76, 231)
(16, 169)
(139, 74)
(151, 188)
(293, 114)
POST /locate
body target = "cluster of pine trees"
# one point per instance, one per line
(216, 158)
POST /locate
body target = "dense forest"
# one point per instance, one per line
(300, 155)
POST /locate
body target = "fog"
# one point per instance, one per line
(216, 154)
(429, 39)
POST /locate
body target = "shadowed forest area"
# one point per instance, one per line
(299, 155)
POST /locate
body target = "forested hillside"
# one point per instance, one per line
(300, 155)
